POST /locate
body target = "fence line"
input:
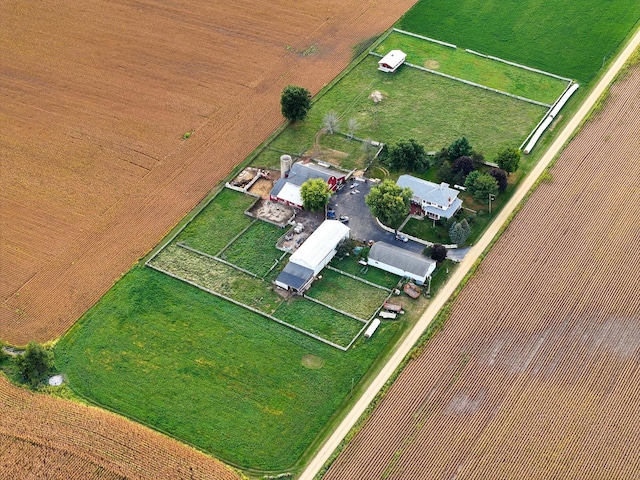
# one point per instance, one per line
(252, 309)
(346, 314)
(237, 236)
(355, 277)
(411, 34)
(217, 259)
(473, 84)
(519, 65)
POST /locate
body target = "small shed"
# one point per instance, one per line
(391, 61)
(401, 262)
(373, 326)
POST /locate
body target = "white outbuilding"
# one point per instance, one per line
(391, 61)
(312, 256)
(401, 262)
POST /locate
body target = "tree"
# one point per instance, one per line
(509, 159)
(352, 126)
(481, 185)
(460, 148)
(331, 122)
(35, 363)
(501, 177)
(459, 232)
(438, 252)
(462, 167)
(409, 155)
(389, 202)
(295, 102)
(315, 194)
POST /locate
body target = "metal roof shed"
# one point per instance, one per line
(391, 61)
(320, 247)
(401, 262)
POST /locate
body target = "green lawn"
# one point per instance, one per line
(219, 222)
(347, 294)
(431, 109)
(568, 38)
(255, 250)
(490, 73)
(209, 373)
(319, 320)
(370, 274)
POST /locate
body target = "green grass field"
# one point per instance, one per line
(370, 274)
(431, 109)
(490, 73)
(347, 294)
(219, 222)
(209, 373)
(255, 250)
(566, 38)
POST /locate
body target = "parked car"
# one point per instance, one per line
(402, 237)
(331, 214)
(344, 218)
(354, 185)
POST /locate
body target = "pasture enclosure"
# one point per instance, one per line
(210, 373)
(572, 39)
(96, 166)
(535, 373)
(415, 104)
(42, 437)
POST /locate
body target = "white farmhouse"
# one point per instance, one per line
(401, 262)
(436, 200)
(391, 61)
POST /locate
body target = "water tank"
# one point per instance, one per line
(285, 165)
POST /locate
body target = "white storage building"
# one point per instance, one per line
(401, 262)
(391, 61)
(313, 255)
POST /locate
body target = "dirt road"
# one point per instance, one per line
(332, 443)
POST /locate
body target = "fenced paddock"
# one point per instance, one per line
(239, 264)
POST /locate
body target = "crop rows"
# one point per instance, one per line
(96, 170)
(48, 438)
(535, 375)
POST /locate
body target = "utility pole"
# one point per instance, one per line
(491, 197)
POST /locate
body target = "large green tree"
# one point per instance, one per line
(315, 194)
(459, 232)
(295, 102)
(459, 148)
(408, 155)
(509, 159)
(389, 202)
(35, 363)
(481, 185)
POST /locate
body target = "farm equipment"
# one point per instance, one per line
(412, 290)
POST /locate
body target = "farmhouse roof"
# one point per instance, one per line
(440, 194)
(320, 243)
(400, 258)
(447, 212)
(294, 275)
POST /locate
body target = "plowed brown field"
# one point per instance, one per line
(536, 373)
(43, 437)
(96, 97)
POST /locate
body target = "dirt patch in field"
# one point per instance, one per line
(432, 64)
(96, 101)
(312, 362)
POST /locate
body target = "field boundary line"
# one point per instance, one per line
(237, 236)
(346, 314)
(519, 65)
(250, 308)
(473, 84)
(217, 259)
(422, 37)
(355, 277)
(334, 440)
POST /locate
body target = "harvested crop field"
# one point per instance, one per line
(98, 100)
(535, 374)
(48, 438)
